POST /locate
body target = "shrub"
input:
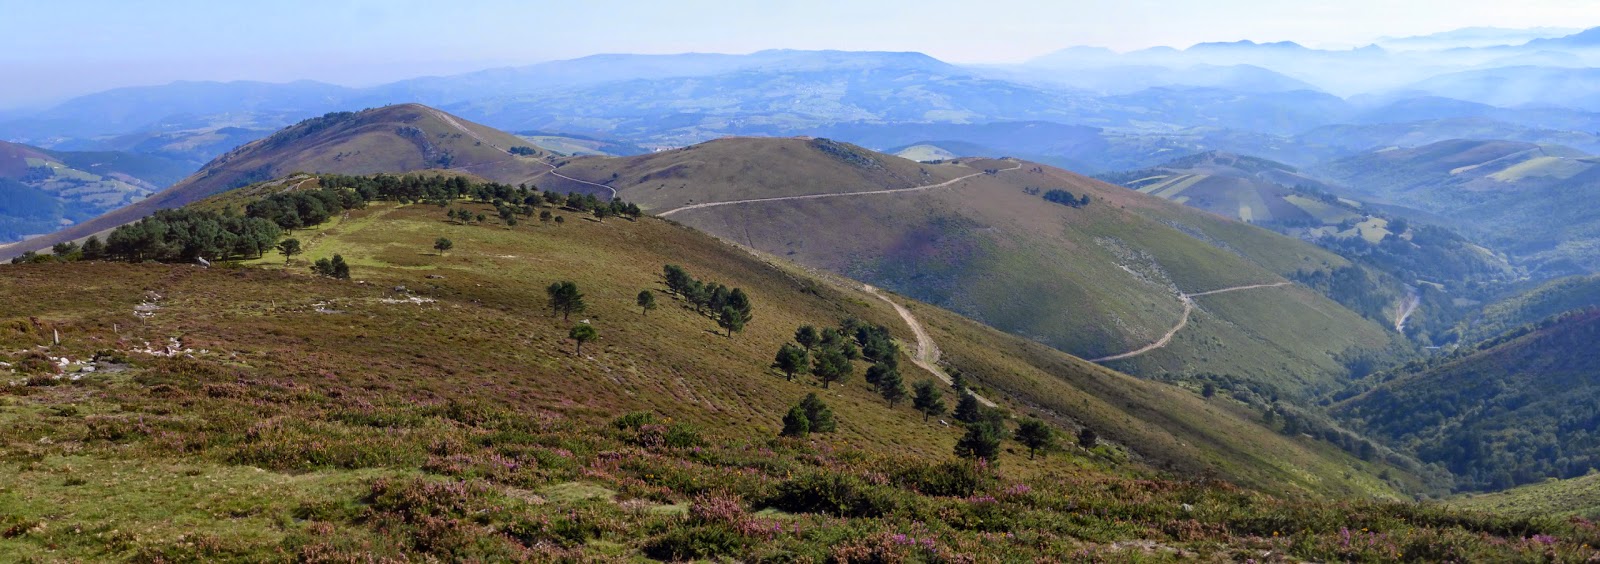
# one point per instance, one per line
(683, 436)
(634, 420)
(695, 543)
(954, 478)
(716, 507)
(833, 493)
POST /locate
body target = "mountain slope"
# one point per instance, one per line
(1544, 301)
(1528, 200)
(1574, 497)
(1099, 280)
(392, 139)
(1512, 410)
(310, 396)
(1244, 188)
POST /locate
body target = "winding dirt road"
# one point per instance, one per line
(1188, 308)
(832, 195)
(479, 138)
(927, 353)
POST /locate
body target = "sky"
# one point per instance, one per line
(61, 48)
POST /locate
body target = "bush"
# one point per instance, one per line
(953, 478)
(834, 494)
(683, 436)
(695, 543)
(634, 420)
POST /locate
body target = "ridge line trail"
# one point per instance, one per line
(831, 195)
(479, 138)
(927, 353)
(1183, 321)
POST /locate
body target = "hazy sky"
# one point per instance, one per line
(58, 48)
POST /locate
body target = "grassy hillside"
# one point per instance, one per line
(1245, 188)
(434, 400)
(1577, 497)
(390, 139)
(1097, 280)
(1512, 410)
(1528, 200)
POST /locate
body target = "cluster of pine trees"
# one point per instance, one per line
(180, 235)
(730, 307)
(829, 355)
(1066, 198)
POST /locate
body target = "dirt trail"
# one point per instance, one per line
(479, 138)
(927, 353)
(1183, 321)
(833, 195)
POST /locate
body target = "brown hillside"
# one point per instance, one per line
(1095, 281)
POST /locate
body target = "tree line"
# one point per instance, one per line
(187, 234)
(180, 235)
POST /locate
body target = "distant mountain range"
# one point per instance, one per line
(664, 101)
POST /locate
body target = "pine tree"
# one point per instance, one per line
(565, 299)
(731, 320)
(340, 269)
(582, 333)
(93, 249)
(442, 244)
(982, 442)
(928, 399)
(968, 410)
(790, 359)
(676, 278)
(1036, 435)
(819, 414)
(891, 387)
(807, 336)
(287, 247)
(831, 365)
(795, 423)
(876, 372)
(646, 301)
